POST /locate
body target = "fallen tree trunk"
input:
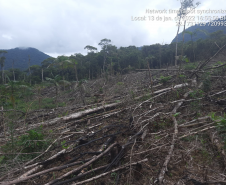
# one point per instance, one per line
(70, 117)
(89, 111)
(85, 112)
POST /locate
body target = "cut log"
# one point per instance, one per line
(70, 117)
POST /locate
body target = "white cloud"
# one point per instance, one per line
(66, 27)
(8, 37)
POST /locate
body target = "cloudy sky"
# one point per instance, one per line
(65, 27)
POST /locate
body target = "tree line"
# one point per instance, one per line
(111, 60)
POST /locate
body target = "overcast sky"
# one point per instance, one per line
(65, 27)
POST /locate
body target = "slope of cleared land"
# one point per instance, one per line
(162, 127)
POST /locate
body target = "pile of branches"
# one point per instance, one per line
(156, 139)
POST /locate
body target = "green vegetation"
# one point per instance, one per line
(221, 125)
(146, 97)
(63, 145)
(175, 115)
(20, 57)
(110, 60)
(196, 94)
(31, 144)
(195, 105)
(206, 82)
(120, 83)
(164, 79)
(189, 138)
(189, 66)
(132, 94)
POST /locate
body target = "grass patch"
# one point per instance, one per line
(32, 141)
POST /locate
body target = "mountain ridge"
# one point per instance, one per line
(208, 28)
(21, 55)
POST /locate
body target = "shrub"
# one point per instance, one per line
(164, 79)
(221, 125)
(196, 94)
(189, 66)
(182, 78)
(206, 83)
(31, 142)
(196, 103)
(48, 103)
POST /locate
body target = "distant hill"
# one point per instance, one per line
(20, 57)
(200, 35)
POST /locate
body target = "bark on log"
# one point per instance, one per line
(70, 117)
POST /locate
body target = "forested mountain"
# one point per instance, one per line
(201, 31)
(21, 55)
(109, 61)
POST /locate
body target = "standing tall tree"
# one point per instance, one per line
(90, 48)
(73, 61)
(29, 64)
(55, 80)
(45, 65)
(186, 7)
(160, 56)
(192, 34)
(63, 63)
(2, 63)
(14, 79)
(104, 43)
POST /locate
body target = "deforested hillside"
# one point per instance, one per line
(117, 105)
(149, 126)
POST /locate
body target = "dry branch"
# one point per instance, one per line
(83, 166)
(112, 171)
(219, 145)
(180, 103)
(204, 63)
(218, 93)
(57, 168)
(166, 70)
(164, 167)
(215, 67)
(192, 133)
(82, 175)
(193, 124)
(43, 152)
(158, 147)
(206, 118)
